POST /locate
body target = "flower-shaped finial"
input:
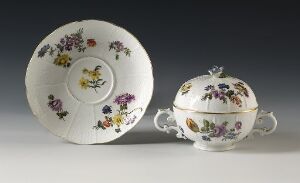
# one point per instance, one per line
(215, 70)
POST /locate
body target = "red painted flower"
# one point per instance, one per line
(106, 124)
(91, 42)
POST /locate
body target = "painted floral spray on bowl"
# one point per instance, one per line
(215, 111)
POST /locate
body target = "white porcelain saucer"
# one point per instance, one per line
(89, 82)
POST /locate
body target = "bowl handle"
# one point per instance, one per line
(259, 120)
(166, 128)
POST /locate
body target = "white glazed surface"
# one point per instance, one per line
(130, 74)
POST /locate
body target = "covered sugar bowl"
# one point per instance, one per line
(215, 111)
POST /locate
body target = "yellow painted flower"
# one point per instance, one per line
(62, 59)
(185, 88)
(84, 83)
(117, 119)
(94, 75)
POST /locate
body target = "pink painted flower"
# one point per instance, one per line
(238, 125)
(219, 130)
(55, 105)
(129, 120)
(124, 99)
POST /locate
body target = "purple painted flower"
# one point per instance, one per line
(55, 105)
(221, 95)
(124, 99)
(62, 41)
(118, 46)
(215, 93)
(219, 130)
(238, 125)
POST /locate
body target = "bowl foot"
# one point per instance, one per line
(200, 146)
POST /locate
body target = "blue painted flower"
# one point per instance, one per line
(106, 109)
(206, 138)
(43, 50)
(230, 136)
(223, 86)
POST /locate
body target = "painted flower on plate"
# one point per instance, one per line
(117, 119)
(119, 47)
(91, 78)
(84, 83)
(94, 74)
(129, 120)
(57, 106)
(124, 99)
(121, 115)
(91, 42)
(63, 48)
(62, 60)
(106, 109)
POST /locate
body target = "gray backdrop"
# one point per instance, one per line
(259, 43)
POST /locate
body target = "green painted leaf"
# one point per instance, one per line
(205, 123)
(212, 126)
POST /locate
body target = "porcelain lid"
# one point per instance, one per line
(215, 93)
